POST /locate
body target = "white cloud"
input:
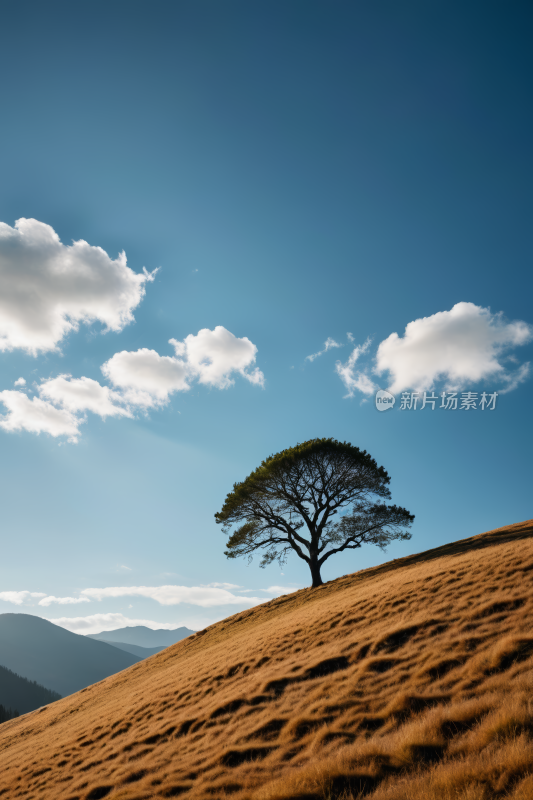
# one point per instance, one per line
(18, 598)
(352, 379)
(329, 344)
(47, 288)
(83, 394)
(459, 347)
(213, 356)
(146, 378)
(464, 345)
(62, 601)
(97, 623)
(37, 416)
(280, 590)
(204, 596)
(20, 382)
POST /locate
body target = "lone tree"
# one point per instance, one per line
(292, 500)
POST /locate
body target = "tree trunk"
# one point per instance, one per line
(314, 566)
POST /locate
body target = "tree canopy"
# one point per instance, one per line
(294, 501)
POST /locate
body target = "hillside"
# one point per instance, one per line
(409, 681)
(58, 659)
(21, 694)
(142, 636)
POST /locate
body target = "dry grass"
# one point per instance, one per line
(405, 682)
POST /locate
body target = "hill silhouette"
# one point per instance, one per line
(408, 681)
(142, 636)
(142, 652)
(23, 695)
(54, 657)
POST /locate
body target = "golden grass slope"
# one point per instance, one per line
(410, 681)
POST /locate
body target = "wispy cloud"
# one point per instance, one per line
(329, 344)
(224, 585)
(513, 379)
(353, 379)
(277, 591)
(212, 595)
(62, 601)
(204, 596)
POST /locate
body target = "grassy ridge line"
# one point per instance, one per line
(285, 603)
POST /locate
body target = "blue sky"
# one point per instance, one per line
(286, 173)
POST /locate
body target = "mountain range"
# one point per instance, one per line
(40, 661)
(141, 636)
(62, 661)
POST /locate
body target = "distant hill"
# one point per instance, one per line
(142, 636)
(54, 657)
(142, 652)
(412, 679)
(21, 694)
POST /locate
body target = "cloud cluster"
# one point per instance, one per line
(25, 598)
(459, 347)
(141, 379)
(61, 406)
(49, 288)
(209, 596)
(214, 596)
(147, 379)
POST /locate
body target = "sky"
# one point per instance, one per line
(224, 228)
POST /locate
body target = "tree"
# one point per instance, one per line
(291, 503)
